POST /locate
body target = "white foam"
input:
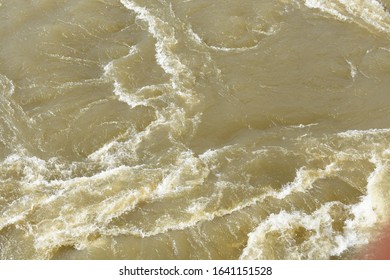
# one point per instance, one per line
(7, 86)
(353, 69)
(304, 180)
(367, 13)
(304, 125)
(73, 229)
(165, 39)
(166, 223)
(16, 211)
(130, 99)
(362, 133)
(72, 224)
(69, 227)
(327, 7)
(124, 96)
(320, 240)
(371, 11)
(378, 185)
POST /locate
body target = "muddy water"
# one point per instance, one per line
(199, 129)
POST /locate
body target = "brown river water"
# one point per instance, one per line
(193, 129)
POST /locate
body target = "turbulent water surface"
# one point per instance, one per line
(193, 129)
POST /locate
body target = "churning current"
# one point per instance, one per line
(198, 129)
